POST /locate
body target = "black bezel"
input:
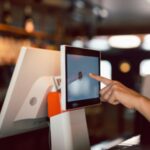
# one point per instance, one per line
(84, 52)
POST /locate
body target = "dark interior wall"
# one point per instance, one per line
(35, 140)
(133, 80)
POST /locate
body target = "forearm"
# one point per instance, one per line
(115, 92)
(143, 106)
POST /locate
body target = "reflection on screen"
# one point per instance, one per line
(80, 85)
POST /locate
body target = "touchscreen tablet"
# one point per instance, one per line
(77, 88)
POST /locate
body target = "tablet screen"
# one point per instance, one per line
(80, 86)
(81, 90)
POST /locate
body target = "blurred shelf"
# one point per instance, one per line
(17, 31)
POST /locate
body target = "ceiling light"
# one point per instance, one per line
(78, 43)
(124, 41)
(99, 43)
(100, 12)
(103, 13)
(146, 42)
(28, 20)
(79, 4)
(144, 67)
(29, 26)
(6, 14)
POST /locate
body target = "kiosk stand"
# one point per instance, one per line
(68, 129)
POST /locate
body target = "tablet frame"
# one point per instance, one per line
(65, 49)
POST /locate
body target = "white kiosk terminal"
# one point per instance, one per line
(36, 74)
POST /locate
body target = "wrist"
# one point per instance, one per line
(139, 103)
(143, 106)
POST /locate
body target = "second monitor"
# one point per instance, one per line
(25, 105)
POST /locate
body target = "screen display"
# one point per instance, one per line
(78, 89)
(81, 89)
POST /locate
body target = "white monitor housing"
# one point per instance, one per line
(25, 105)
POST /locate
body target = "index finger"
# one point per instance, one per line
(100, 78)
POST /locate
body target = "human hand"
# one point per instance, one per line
(115, 92)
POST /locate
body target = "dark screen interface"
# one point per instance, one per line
(79, 85)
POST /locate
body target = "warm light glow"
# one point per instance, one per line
(99, 43)
(125, 67)
(145, 67)
(146, 42)
(29, 25)
(124, 41)
(9, 49)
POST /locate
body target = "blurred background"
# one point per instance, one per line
(119, 29)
